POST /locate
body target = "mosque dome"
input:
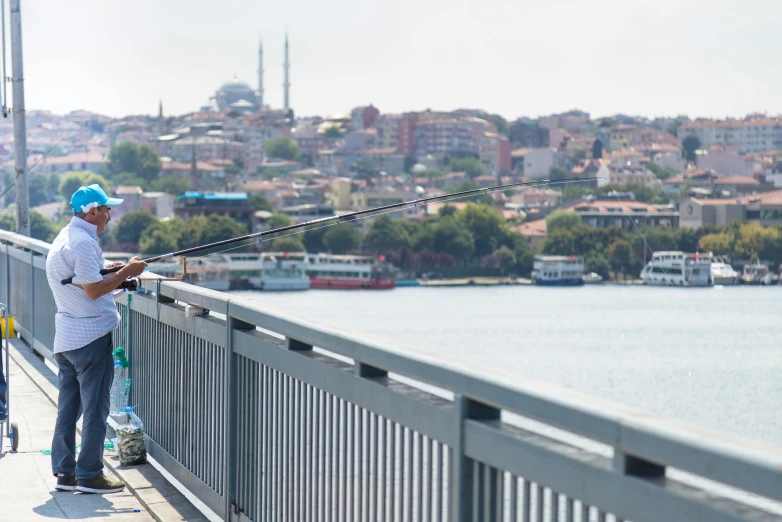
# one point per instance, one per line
(235, 85)
(234, 91)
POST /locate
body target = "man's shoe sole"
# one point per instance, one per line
(65, 488)
(85, 489)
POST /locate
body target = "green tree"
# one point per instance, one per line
(386, 233)
(451, 237)
(341, 238)
(499, 122)
(131, 226)
(313, 239)
(557, 173)
(620, 255)
(507, 259)
(598, 264)
(174, 185)
(37, 189)
(558, 242)
(563, 219)
(283, 148)
(129, 157)
(720, 244)
(279, 221)
(220, 228)
(487, 226)
(689, 145)
(155, 241)
(191, 233)
(73, 180)
(469, 165)
(288, 244)
(40, 227)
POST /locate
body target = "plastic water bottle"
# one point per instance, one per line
(117, 390)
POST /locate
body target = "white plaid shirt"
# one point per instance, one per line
(79, 320)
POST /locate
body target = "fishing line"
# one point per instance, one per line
(412, 204)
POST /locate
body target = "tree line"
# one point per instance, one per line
(619, 253)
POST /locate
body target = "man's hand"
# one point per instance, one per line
(115, 263)
(111, 281)
(134, 267)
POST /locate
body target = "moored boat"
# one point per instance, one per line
(558, 270)
(677, 268)
(349, 272)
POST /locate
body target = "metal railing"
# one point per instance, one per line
(268, 416)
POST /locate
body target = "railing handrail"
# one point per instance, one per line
(36, 245)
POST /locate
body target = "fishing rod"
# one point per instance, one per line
(347, 217)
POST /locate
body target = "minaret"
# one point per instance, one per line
(260, 75)
(287, 84)
(160, 125)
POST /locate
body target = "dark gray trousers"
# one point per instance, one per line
(84, 381)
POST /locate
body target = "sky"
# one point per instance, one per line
(515, 58)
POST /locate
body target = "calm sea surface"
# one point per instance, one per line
(710, 356)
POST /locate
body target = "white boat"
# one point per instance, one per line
(282, 271)
(268, 271)
(558, 270)
(592, 278)
(677, 268)
(349, 271)
(723, 274)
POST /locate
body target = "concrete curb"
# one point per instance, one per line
(163, 501)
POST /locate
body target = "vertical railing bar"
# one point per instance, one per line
(351, 458)
(321, 456)
(419, 475)
(539, 502)
(382, 469)
(554, 506)
(392, 472)
(526, 496)
(569, 509)
(477, 473)
(343, 472)
(373, 465)
(443, 465)
(328, 426)
(360, 461)
(409, 491)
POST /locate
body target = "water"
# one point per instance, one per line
(707, 356)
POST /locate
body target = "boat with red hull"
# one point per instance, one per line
(349, 272)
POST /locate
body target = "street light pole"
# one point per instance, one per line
(20, 126)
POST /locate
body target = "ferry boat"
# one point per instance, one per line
(282, 271)
(678, 269)
(758, 274)
(558, 270)
(348, 272)
(723, 274)
(268, 271)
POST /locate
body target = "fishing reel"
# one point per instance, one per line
(130, 284)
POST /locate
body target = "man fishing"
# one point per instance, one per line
(86, 316)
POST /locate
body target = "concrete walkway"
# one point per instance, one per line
(26, 481)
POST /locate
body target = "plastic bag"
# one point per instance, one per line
(130, 445)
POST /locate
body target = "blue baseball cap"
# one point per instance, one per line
(90, 197)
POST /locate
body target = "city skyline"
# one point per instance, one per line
(698, 59)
